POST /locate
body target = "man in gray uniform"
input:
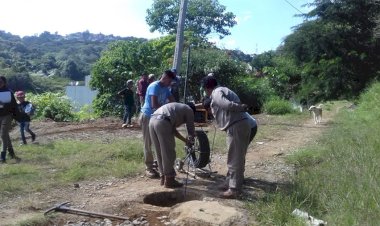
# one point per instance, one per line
(163, 130)
(231, 116)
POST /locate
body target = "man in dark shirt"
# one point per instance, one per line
(129, 103)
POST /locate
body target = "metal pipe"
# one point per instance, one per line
(64, 209)
(187, 73)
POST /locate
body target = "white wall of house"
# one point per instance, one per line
(80, 95)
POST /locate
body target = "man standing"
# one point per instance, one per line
(142, 85)
(129, 103)
(163, 130)
(174, 86)
(8, 108)
(231, 116)
(157, 95)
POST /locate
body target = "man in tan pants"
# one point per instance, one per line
(157, 95)
(231, 116)
(162, 128)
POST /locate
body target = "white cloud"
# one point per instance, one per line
(118, 17)
(243, 17)
(226, 43)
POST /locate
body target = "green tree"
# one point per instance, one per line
(336, 49)
(126, 60)
(203, 17)
(211, 60)
(263, 60)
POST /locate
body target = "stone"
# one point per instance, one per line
(205, 213)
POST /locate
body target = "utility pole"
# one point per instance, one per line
(179, 38)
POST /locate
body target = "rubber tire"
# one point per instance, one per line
(202, 157)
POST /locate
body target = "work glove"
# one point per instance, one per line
(245, 107)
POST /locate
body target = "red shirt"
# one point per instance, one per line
(142, 86)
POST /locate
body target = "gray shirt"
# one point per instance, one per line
(178, 114)
(226, 107)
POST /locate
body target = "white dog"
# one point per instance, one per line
(317, 113)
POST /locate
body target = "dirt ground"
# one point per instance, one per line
(265, 170)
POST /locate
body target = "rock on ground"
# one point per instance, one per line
(204, 213)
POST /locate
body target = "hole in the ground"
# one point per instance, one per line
(170, 198)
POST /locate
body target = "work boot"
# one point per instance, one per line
(33, 137)
(229, 194)
(151, 173)
(223, 186)
(170, 182)
(13, 155)
(3, 156)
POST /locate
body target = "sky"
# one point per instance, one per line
(261, 24)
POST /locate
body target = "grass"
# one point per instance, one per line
(338, 180)
(278, 106)
(64, 162)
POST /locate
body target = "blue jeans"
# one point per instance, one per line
(24, 126)
(128, 113)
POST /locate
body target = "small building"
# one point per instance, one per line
(81, 95)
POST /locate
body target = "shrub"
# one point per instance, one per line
(252, 91)
(277, 106)
(85, 113)
(54, 106)
(108, 105)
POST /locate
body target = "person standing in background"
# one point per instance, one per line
(27, 110)
(151, 78)
(142, 85)
(174, 86)
(129, 104)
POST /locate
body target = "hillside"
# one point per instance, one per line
(70, 56)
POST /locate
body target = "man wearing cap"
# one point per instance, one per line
(163, 130)
(27, 108)
(129, 103)
(231, 116)
(157, 95)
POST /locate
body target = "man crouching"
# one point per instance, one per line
(163, 130)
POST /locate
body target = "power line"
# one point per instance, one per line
(294, 7)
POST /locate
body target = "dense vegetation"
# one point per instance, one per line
(333, 54)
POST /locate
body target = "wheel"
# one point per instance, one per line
(201, 150)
